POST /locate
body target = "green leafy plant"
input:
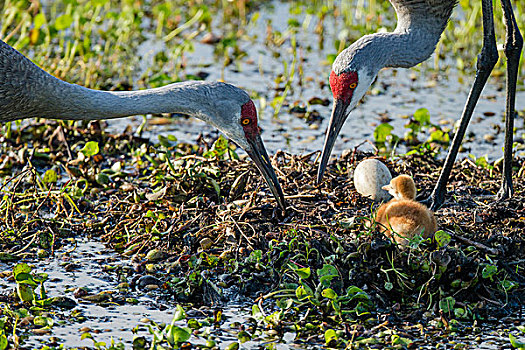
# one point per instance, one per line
(90, 149)
(171, 334)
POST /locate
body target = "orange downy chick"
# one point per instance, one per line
(402, 218)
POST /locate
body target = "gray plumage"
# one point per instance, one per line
(419, 27)
(26, 91)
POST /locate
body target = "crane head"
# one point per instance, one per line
(256, 150)
(348, 88)
(234, 113)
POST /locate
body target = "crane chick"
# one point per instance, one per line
(402, 218)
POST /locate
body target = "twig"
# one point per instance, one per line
(27, 245)
(475, 244)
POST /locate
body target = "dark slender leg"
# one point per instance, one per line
(513, 47)
(486, 62)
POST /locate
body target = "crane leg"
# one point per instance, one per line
(513, 47)
(487, 59)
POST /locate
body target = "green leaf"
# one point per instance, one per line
(102, 179)
(39, 20)
(164, 141)
(447, 304)
(357, 293)
(255, 256)
(86, 335)
(331, 58)
(256, 312)
(233, 346)
(284, 304)
(439, 136)
(43, 321)
(397, 340)
(422, 116)
(25, 278)
(180, 314)
(139, 343)
(178, 334)
(99, 2)
(21, 268)
(244, 336)
(515, 343)
(442, 238)
(40, 277)
(327, 270)
(489, 271)
(460, 312)
(90, 148)
(3, 342)
(337, 306)
(382, 131)
(389, 286)
(303, 292)
(303, 273)
(219, 148)
(194, 324)
(329, 336)
(63, 22)
(508, 285)
(326, 274)
(25, 292)
(50, 176)
(329, 293)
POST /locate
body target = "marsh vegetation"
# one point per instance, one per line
(109, 231)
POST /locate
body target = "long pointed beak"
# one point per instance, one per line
(261, 159)
(337, 120)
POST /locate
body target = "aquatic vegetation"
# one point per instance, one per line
(418, 125)
(205, 232)
(202, 231)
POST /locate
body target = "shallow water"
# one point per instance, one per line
(400, 92)
(117, 321)
(108, 321)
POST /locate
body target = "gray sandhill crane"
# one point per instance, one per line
(419, 27)
(26, 91)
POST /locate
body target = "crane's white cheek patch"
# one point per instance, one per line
(365, 80)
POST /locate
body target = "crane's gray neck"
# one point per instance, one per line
(395, 49)
(410, 43)
(70, 101)
(55, 99)
(27, 91)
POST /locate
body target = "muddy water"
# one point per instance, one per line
(397, 92)
(113, 321)
(108, 320)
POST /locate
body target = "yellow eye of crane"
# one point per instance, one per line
(353, 85)
(246, 121)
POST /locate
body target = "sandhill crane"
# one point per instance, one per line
(419, 27)
(26, 91)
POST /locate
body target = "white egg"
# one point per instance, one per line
(369, 176)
